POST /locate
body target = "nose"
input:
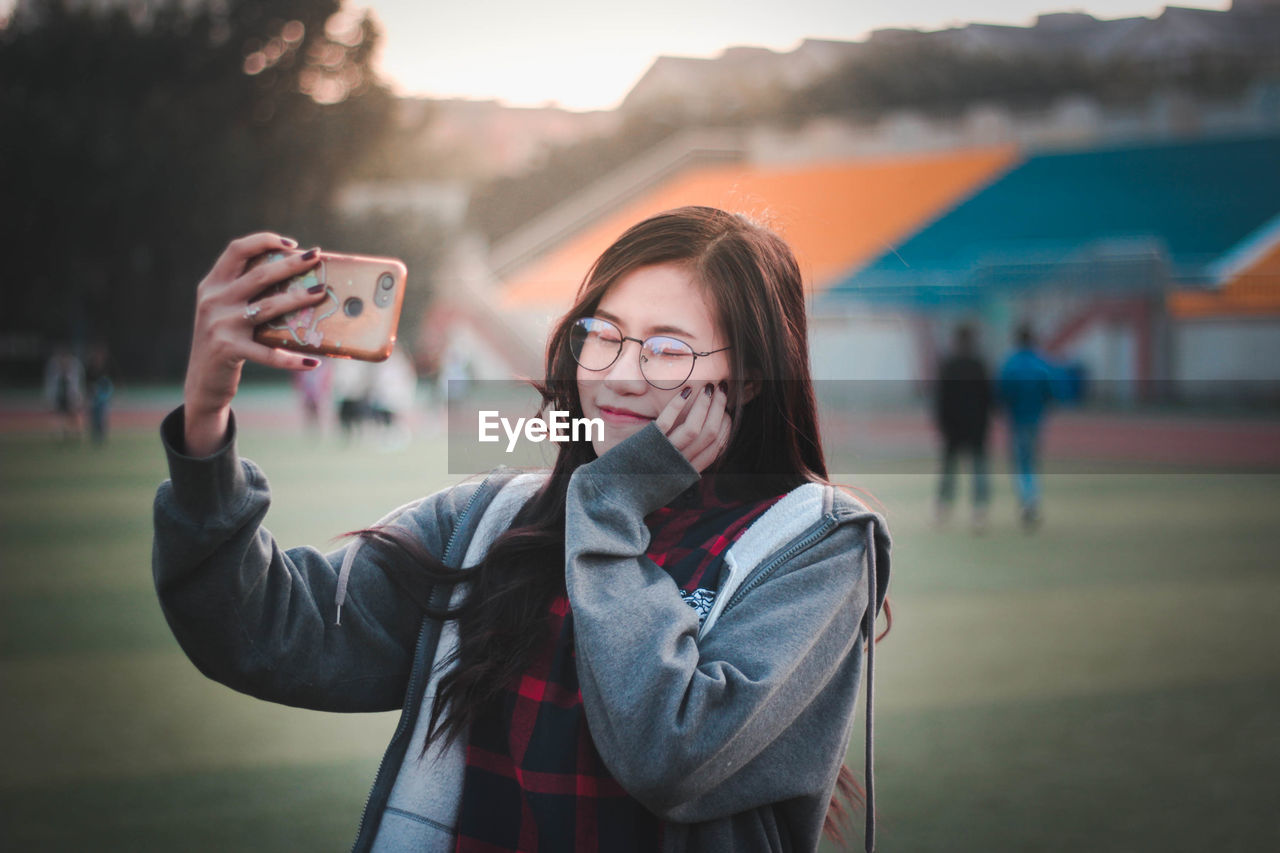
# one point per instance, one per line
(624, 376)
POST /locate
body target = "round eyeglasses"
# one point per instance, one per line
(665, 362)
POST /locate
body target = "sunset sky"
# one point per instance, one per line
(586, 54)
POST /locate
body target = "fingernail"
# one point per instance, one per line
(309, 254)
(707, 389)
(288, 243)
(684, 395)
(723, 386)
(310, 362)
(315, 288)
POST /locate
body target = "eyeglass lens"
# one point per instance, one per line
(665, 362)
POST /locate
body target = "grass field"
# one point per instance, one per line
(1109, 683)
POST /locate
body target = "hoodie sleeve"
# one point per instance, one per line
(261, 619)
(760, 710)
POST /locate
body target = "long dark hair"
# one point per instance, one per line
(750, 277)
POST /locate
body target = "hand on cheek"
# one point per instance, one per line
(703, 432)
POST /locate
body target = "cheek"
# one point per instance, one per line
(664, 398)
(709, 370)
(584, 388)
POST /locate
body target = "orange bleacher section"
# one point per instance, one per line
(837, 216)
(1253, 291)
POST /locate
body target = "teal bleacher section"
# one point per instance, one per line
(1122, 219)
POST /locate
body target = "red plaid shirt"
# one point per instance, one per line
(534, 780)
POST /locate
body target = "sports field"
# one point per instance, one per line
(1109, 683)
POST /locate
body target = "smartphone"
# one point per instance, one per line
(356, 319)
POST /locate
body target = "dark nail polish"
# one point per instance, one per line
(289, 244)
(310, 254)
(315, 288)
(310, 362)
(684, 395)
(723, 386)
(707, 389)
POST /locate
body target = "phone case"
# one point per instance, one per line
(358, 316)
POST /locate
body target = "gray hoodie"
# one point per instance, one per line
(731, 730)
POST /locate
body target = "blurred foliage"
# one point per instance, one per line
(135, 142)
(938, 79)
(503, 204)
(406, 151)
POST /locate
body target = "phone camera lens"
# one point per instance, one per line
(353, 306)
(387, 281)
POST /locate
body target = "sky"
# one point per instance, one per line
(587, 54)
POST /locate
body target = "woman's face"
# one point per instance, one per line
(654, 300)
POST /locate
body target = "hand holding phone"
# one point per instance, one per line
(222, 337)
(237, 291)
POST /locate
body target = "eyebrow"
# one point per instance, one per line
(653, 330)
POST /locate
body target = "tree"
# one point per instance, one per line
(132, 147)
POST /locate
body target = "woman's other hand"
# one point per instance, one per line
(222, 339)
(697, 423)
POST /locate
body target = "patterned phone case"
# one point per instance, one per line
(358, 316)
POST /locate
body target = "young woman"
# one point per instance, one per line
(657, 644)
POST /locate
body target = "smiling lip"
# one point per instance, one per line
(622, 416)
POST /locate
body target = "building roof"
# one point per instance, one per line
(836, 216)
(1127, 217)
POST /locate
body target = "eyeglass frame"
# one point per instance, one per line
(622, 345)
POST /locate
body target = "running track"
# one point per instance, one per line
(1194, 441)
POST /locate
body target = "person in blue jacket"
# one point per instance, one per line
(1026, 389)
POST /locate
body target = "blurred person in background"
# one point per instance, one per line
(1026, 388)
(393, 390)
(98, 378)
(351, 383)
(655, 644)
(962, 412)
(64, 391)
(456, 377)
(313, 387)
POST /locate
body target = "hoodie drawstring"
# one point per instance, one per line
(871, 670)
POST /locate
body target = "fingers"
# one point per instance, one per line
(698, 405)
(271, 307)
(224, 326)
(262, 276)
(702, 461)
(717, 413)
(667, 418)
(254, 351)
(239, 252)
(704, 426)
(705, 420)
(682, 409)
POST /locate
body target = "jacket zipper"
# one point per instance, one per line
(414, 680)
(475, 496)
(825, 526)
